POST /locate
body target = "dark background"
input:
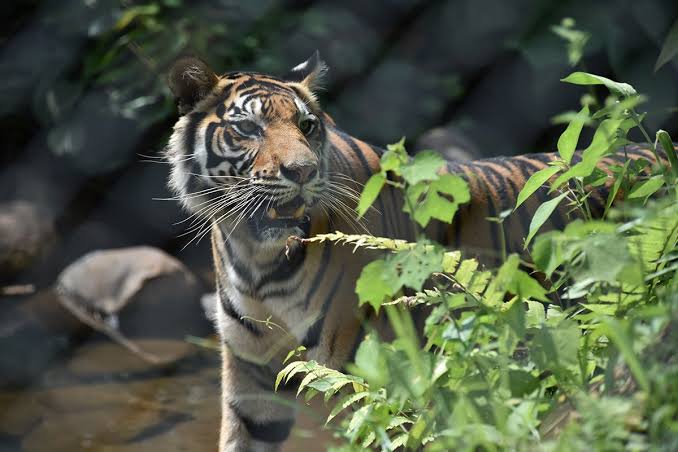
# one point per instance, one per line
(83, 98)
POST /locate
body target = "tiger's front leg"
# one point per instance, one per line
(254, 416)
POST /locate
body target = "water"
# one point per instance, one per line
(103, 398)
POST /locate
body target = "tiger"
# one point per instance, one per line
(257, 160)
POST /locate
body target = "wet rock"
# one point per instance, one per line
(163, 413)
(26, 231)
(134, 293)
(450, 141)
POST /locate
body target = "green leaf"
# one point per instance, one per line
(602, 141)
(424, 167)
(466, 271)
(670, 47)
(289, 371)
(415, 266)
(576, 40)
(293, 352)
(536, 314)
(357, 421)
(375, 283)
(622, 340)
(667, 143)
(617, 107)
(606, 258)
(370, 362)
(344, 403)
(542, 214)
(514, 315)
(450, 261)
(647, 188)
(441, 198)
(370, 193)
(510, 278)
(619, 179)
(556, 348)
(394, 158)
(522, 382)
(567, 143)
(534, 182)
(135, 11)
(547, 253)
(584, 78)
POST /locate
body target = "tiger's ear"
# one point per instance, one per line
(309, 73)
(190, 80)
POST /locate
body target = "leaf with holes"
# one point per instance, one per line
(438, 199)
(424, 167)
(415, 266)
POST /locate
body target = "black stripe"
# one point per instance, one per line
(356, 150)
(194, 120)
(456, 169)
(267, 432)
(358, 340)
(324, 260)
(285, 268)
(491, 210)
(377, 150)
(262, 375)
(524, 221)
(366, 167)
(241, 270)
(507, 200)
(312, 337)
(212, 158)
(230, 311)
(346, 167)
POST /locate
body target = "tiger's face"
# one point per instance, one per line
(250, 150)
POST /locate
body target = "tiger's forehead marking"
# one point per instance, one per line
(253, 96)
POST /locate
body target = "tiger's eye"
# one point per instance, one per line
(307, 125)
(247, 127)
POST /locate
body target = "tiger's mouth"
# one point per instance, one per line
(290, 217)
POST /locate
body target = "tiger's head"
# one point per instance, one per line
(250, 150)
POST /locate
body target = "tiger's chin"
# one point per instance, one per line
(273, 225)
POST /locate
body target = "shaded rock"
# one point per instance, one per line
(450, 141)
(105, 358)
(26, 231)
(33, 334)
(134, 293)
(25, 414)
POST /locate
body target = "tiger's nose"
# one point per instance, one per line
(299, 172)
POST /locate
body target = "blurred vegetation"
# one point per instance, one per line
(70, 66)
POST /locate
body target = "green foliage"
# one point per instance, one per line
(506, 364)
(576, 39)
(670, 47)
(429, 193)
